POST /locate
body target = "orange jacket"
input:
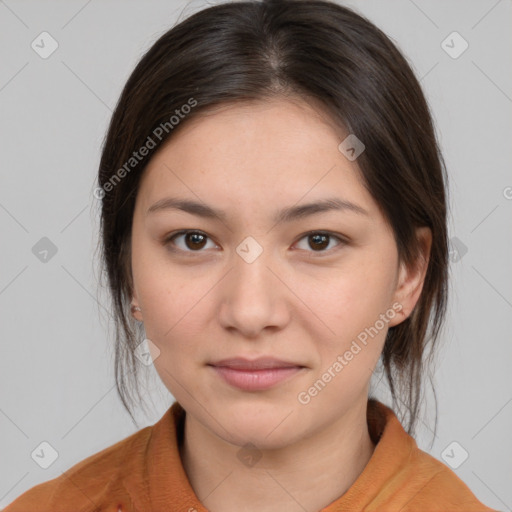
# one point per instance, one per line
(143, 473)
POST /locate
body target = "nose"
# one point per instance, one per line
(254, 297)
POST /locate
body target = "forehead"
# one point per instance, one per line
(306, 118)
(246, 154)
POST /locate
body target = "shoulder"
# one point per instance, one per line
(406, 478)
(438, 488)
(86, 485)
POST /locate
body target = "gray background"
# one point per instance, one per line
(56, 378)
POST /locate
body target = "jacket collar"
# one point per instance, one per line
(159, 481)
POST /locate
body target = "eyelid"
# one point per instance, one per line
(341, 239)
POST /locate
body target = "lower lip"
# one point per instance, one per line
(255, 380)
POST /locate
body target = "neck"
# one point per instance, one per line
(304, 476)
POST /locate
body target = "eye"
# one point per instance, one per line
(319, 240)
(194, 240)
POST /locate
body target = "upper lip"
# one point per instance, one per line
(260, 363)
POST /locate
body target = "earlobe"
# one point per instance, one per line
(135, 309)
(412, 277)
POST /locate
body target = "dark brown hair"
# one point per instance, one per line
(315, 50)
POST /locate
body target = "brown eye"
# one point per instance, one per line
(318, 241)
(194, 241)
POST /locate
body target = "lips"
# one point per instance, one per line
(262, 363)
(257, 374)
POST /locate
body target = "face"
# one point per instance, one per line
(315, 289)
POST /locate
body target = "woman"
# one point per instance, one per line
(274, 224)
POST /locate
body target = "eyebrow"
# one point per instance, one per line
(288, 214)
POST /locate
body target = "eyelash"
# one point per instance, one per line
(313, 254)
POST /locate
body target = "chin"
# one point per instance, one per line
(266, 426)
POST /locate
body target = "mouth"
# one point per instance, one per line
(255, 375)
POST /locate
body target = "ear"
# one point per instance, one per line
(135, 303)
(411, 279)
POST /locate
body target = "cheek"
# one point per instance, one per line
(172, 310)
(169, 297)
(171, 324)
(348, 305)
(351, 296)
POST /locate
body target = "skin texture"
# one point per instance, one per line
(297, 302)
